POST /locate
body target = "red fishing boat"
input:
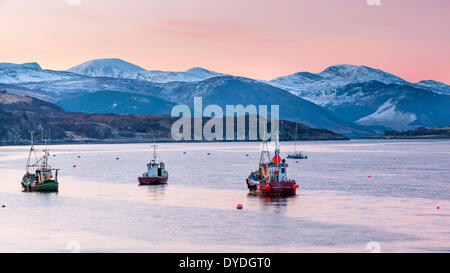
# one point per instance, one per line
(156, 173)
(271, 177)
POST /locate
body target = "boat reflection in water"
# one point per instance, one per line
(276, 204)
(156, 192)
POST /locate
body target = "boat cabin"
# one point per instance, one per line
(155, 169)
(274, 172)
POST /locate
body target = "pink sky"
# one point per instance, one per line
(254, 38)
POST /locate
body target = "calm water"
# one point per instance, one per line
(100, 206)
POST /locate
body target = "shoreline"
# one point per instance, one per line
(132, 141)
(128, 141)
(407, 137)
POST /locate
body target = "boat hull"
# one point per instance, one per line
(152, 180)
(47, 186)
(276, 188)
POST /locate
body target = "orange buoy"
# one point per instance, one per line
(437, 207)
(276, 159)
(275, 172)
(239, 206)
(74, 166)
(294, 186)
(267, 187)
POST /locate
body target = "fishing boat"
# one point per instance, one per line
(295, 154)
(156, 173)
(39, 175)
(270, 179)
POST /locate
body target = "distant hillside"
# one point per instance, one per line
(396, 106)
(19, 115)
(372, 97)
(14, 103)
(224, 90)
(117, 103)
(421, 132)
(230, 90)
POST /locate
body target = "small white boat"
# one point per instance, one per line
(295, 154)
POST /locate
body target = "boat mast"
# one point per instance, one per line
(295, 144)
(46, 154)
(277, 145)
(265, 154)
(32, 151)
(154, 153)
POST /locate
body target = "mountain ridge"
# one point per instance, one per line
(117, 68)
(340, 89)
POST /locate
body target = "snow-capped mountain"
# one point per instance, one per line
(117, 68)
(372, 97)
(435, 86)
(190, 75)
(112, 67)
(352, 74)
(30, 72)
(398, 106)
(356, 96)
(314, 86)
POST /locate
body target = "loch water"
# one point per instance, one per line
(354, 196)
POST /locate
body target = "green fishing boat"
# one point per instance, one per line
(39, 176)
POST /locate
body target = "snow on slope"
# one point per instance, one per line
(352, 74)
(316, 87)
(117, 68)
(370, 96)
(190, 75)
(437, 87)
(29, 72)
(112, 67)
(388, 115)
